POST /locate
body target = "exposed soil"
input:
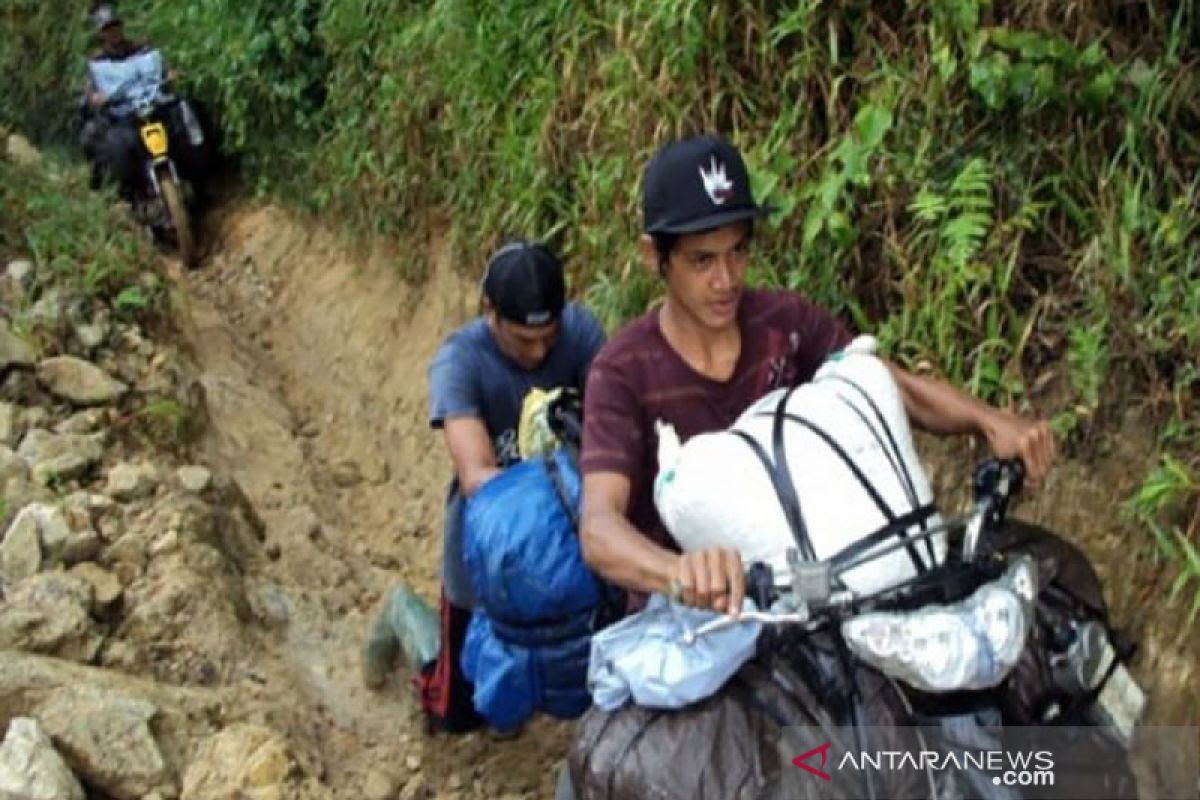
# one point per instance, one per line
(314, 368)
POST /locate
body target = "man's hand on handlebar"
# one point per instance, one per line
(1011, 436)
(712, 578)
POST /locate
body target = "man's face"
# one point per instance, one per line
(528, 345)
(111, 36)
(706, 273)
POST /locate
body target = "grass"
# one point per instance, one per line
(78, 240)
(1004, 192)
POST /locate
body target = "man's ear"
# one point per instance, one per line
(649, 254)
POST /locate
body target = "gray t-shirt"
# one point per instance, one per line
(471, 377)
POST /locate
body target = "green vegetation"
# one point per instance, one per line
(77, 240)
(1006, 192)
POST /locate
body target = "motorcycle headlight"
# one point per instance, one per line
(972, 644)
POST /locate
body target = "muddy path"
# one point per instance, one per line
(313, 366)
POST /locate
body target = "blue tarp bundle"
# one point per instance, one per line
(527, 646)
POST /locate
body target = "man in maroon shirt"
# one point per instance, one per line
(710, 350)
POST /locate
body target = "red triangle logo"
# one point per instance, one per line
(800, 760)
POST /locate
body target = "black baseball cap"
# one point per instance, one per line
(524, 282)
(695, 185)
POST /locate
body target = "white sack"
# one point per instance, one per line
(714, 491)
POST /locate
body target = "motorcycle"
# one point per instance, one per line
(163, 198)
(1001, 639)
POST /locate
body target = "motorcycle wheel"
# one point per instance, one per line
(180, 219)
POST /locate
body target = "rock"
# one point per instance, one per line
(269, 604)
(60, 456)
(49, 309)
(87, 421)
(413, 763)
(81, 546)
(300, 523)
(131, 481)
(165, 544)
(30, 767)
(91, 334)
(48, 613)
(30, 418)
(12, 465)
(194, 479)
(378, 786)
(79, 381)
(8, 424)
(346, 474)
(15, 351)
(106, 738)
(243, 760)
(129, 549)
(20, 271)
(106, 589)
(21, 551)
(416, 789)
(49, 527)
(21, 152)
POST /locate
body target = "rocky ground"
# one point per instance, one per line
(198, 522)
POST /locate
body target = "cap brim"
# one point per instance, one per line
(715, 220)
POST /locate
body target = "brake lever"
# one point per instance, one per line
(993, 483)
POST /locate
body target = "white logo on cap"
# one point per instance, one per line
(718, 187)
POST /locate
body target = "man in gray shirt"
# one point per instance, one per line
(528, 337)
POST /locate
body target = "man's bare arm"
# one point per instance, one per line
(938, 407)
(622, 555)
(471, 451)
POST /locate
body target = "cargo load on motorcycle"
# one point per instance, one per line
(874, 622)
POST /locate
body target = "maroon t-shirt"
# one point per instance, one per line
(638, 379)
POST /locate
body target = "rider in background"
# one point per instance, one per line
(117, 74)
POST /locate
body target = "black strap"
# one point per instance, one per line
(918, 516)
(560, 488)
(883, 507)
(786, 486)
(894, 455)
(898, 464)
(790, 513)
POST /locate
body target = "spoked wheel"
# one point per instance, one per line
(181, 221)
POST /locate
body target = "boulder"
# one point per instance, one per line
(15, 351)
(48, 613)
(81, 382)
(21, 550)
(60, 456)
(106, 589)
(195, 479)
(8, 424)
(243, 760)
(105, 736)
(30, 767)
(131, 481)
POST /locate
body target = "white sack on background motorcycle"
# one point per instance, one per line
(713, 491)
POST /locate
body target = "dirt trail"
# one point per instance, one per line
(314, 370)
(314, 374)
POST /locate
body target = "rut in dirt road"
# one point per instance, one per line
(314, 375)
